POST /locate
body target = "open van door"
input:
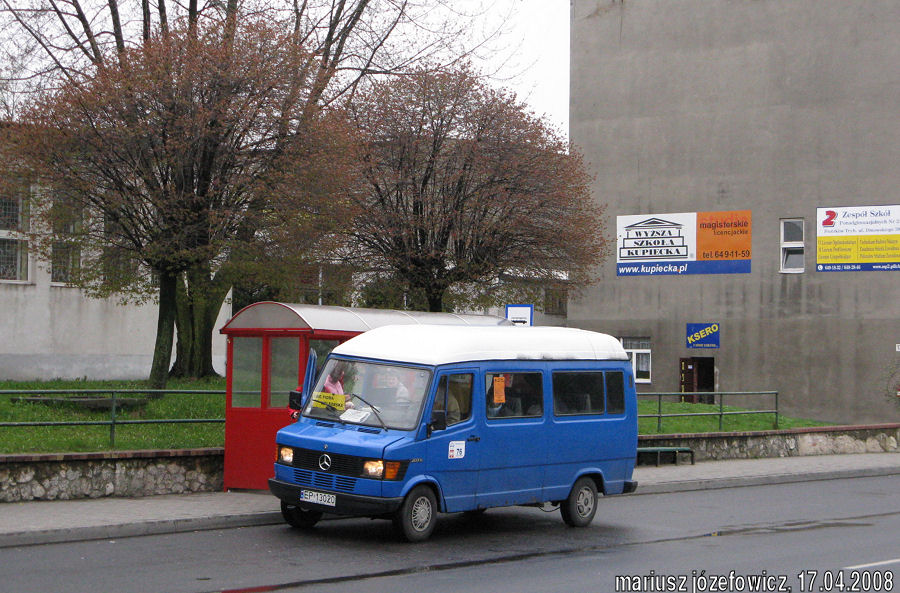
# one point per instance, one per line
(309, 379)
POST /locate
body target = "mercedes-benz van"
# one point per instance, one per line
(404, 422)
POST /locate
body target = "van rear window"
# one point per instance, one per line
(577, 393)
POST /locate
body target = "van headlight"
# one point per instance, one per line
(373, 469)
(286, 455)
(378, 469)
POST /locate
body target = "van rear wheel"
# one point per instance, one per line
(416, 517)
(579, 508)
(299, 518)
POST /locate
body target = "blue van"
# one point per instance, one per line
(408, 421)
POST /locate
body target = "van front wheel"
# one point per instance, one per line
(579, 508)
(417, 515)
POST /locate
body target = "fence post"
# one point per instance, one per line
(776, 410)
(659, 413)
(721, 409)
(112, 422)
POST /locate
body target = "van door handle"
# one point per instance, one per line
(473, 438)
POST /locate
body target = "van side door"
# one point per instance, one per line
(513, 446)
(452, 454)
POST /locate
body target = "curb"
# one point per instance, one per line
(764, 480)
(163, 527)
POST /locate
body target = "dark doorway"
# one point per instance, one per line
(698, 378)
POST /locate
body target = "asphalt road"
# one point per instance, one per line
(786, 535)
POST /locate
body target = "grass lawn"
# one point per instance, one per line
(699, 424)
(55, 439)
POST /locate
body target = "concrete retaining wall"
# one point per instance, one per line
(146, 473)
(827, 440)
(94, 475)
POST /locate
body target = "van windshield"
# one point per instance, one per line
(371, 394)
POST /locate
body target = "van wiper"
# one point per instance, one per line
(374, 409)
(330, 408)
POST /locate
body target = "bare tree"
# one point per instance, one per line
(183, 154)
(78, 46)
(464, 184)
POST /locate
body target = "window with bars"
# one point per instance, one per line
(65, 256)
(13, 225)
(556, 301)
(639, 353)
(64, 261)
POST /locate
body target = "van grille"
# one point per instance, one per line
(326, 481)
(341, 465)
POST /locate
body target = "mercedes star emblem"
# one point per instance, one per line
(325, 462)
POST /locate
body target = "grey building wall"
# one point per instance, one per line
(773, 106)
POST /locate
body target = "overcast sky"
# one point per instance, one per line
(539, 68)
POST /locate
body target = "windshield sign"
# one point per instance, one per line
(371, 394)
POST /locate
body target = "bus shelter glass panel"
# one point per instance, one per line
(246, 374)
(284, 369)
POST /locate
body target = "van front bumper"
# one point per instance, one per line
(345, 504)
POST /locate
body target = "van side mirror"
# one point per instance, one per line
(295, 400)
(438, 421)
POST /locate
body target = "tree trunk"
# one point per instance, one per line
(435, 296)
(199, 303)
(165, 330)
(184, 330)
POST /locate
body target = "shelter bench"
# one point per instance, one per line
(660, 451)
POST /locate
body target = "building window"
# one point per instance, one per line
(638, 350)
(792, 257)
(13, 225)
(65, 256)
(64, 261)
(556, 301)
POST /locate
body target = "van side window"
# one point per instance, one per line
(514, 394)
(578, 392)
(454, 394)
(615, 392)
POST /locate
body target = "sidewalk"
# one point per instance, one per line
(40, 522)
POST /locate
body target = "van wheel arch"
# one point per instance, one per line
(580, 507)
(415, 519)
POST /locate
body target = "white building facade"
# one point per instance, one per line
(50, 329)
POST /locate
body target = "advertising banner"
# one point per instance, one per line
(684, 243)
(858, 239)
(702, 335)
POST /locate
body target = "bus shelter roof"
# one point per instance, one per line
(269, 315)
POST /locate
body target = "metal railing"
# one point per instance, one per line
(114, 407)
(721, 413)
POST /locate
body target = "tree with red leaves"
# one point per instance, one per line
(192, 155)
(198, 124)
(464, 185)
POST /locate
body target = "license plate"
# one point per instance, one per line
(317, 497)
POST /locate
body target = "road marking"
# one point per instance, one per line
(873, 564)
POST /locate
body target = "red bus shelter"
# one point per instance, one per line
(268, 349)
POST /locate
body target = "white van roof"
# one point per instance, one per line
(445, 344)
